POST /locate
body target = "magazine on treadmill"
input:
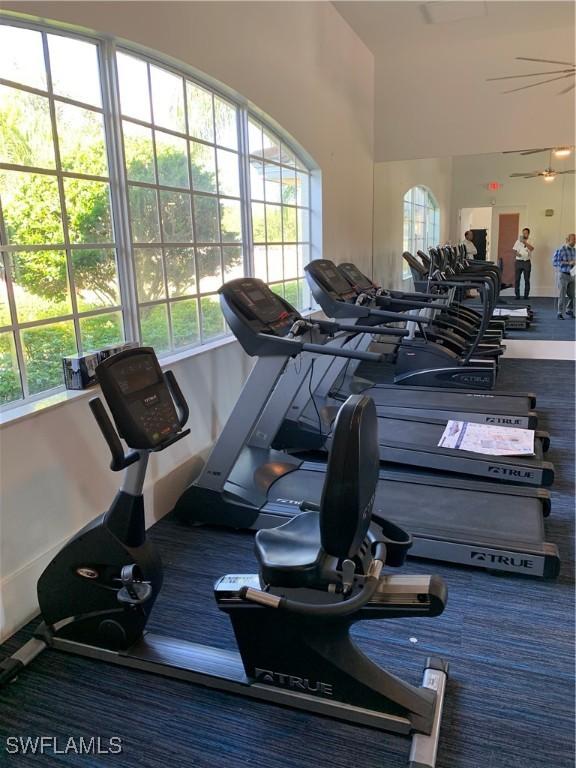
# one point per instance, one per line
(488, 439)
(503, 312)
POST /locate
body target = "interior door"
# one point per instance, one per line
(508, 224)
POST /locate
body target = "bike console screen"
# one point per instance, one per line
(137, 394)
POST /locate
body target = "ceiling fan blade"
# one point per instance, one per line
(524, 175)
(560, 172)
(531, 74)
(542, 82)
(525, 151)
(567, 90)
(545, 61)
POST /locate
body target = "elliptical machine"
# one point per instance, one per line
(319, 573)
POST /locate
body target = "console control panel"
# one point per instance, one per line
(139, 398)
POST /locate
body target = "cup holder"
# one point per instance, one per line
(397, 541)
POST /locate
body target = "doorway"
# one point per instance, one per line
(479, 220)
(508, 228)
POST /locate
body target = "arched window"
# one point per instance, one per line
(129, 192)
(421, 222)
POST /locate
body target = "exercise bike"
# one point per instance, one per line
(319, 573)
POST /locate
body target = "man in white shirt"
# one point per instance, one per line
(523, 248)
(471, 250)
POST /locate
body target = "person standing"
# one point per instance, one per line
(471, 250)
(523, 248)
(564, 261)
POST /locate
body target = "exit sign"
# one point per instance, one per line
(494, 186)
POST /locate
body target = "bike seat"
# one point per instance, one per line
(306, 550)
(291, 552)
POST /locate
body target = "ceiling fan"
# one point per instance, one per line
(569, 72)
(548, 174)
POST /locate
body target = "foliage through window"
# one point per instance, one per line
(60, 288)
(280, 213)
(123, 221)
(421, 223)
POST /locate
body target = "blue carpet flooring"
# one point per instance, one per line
(545, 324)
(509, 641)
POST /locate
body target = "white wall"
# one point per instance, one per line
(301, 64)
(391, 182)
(433, 98)
(530, 197)
(474, 218)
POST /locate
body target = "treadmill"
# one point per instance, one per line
(404, 438)
(454, 313)
(247, 484)
(334, 293)
(515, 317)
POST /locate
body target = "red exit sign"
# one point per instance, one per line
(494, 186)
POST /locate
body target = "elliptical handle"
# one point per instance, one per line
(178, 397)
(119, 459)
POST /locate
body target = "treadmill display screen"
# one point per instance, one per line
(333, 279)
(136, 374)
(263, 304)
(354, 274)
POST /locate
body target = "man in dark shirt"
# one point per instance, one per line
(564, 262)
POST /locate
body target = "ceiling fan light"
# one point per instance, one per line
(562, 152)
(549, 176)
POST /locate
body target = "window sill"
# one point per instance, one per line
(14, 414)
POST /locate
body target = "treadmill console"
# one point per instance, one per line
(262, 310)
(326, 273)
(138, 396)
(356, 278)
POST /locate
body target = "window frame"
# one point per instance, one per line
(123, 245)
(431, 211)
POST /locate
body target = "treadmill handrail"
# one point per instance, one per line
(294, 347)
(398, 317)
(374, 329)
(414, 303)
(326, 349)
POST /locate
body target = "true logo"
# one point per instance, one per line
(293, 682)
(470, 379)
(509, 472)
(489, 557)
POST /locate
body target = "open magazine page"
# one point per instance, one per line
(488, 439)
(500, 312)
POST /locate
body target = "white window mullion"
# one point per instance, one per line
(60, 180)
(119, 200)
(245, 191)
(7, 261)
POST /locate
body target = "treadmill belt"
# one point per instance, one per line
(450, 400)
(456, 514)
(423, 434)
